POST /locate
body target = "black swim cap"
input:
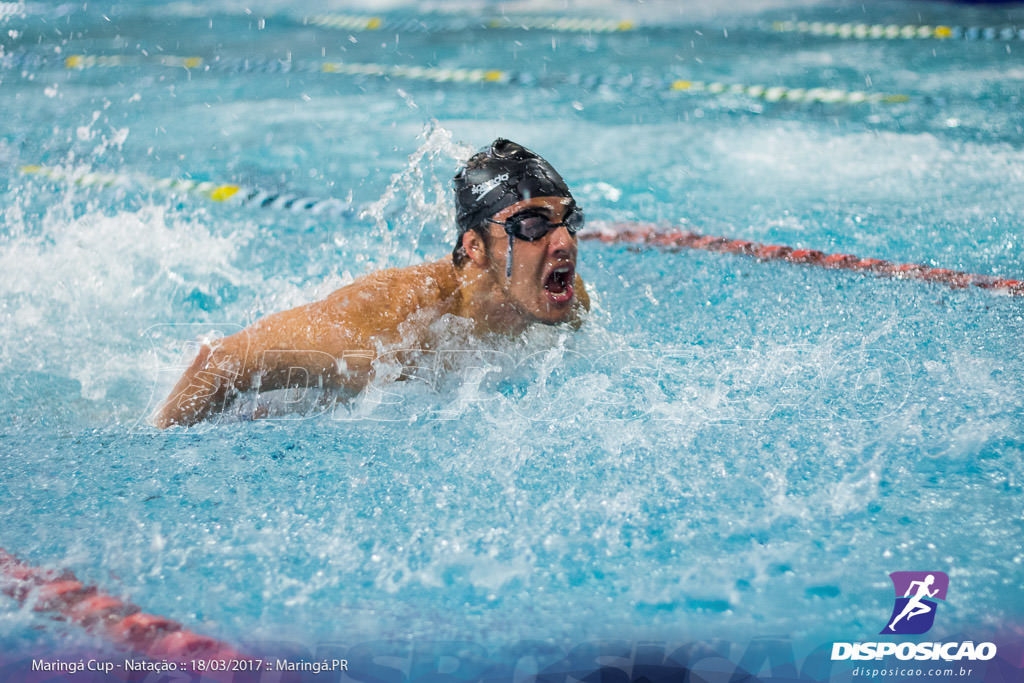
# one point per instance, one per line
(499, 176)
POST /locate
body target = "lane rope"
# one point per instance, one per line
(568, 24)
(461, 75)
(31, 9)
(216, 192)
(898, 32)
(121, 623)
(650, 235)
(416, 23)
(241, 65)
(26, 60)
(427, 23)
(350, 22)
(778, 94)
(436, 74)
(8, 9)
(631, 233)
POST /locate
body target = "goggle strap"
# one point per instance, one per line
(508, 258)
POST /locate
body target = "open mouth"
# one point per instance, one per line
(558, 284)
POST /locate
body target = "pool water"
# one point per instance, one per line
(727, 449)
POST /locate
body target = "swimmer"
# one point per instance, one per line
(914, 606)
(513, 265)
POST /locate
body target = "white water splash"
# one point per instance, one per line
(416, 208)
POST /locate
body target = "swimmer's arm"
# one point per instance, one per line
(200, 388)
(287, 349)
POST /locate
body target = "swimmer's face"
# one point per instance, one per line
(541, 285)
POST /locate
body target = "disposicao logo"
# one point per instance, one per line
(916, 595)
(913, 613)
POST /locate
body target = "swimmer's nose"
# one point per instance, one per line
(561, 244)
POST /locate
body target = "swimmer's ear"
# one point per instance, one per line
(475, 248)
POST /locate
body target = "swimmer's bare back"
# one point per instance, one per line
(332, 342)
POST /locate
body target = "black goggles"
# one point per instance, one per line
(530, 226)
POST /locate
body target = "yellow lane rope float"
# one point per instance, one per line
(439, 75)
(460, 75)
(435, 74)
(561, 24)
(345, 21)
(898, 32)
(617, 233)
(216, 192)
(350, 22)
(780, 94)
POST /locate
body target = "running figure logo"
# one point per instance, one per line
(916, 592)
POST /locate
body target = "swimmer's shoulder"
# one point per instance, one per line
(581, 293)
(582, 305)
(397, 292)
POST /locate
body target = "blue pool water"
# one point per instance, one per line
(728, 449)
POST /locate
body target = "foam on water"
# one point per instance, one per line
(415, 213)
(82, 290)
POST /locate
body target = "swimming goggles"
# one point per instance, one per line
(530, 226)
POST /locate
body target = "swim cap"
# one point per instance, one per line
(499, 176)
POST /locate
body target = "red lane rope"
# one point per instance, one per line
(121, 623)
(645, 234)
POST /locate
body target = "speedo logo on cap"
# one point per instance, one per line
(485, 187)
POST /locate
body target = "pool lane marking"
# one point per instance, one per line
(216, 192)
(26, 9)
(635, 233)
(438, 75)
(349, 22)
(646, 234)
(898, 32)
(778, 94)
(581, 25)
(435, 74)
(63, 596)
(461, 75)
